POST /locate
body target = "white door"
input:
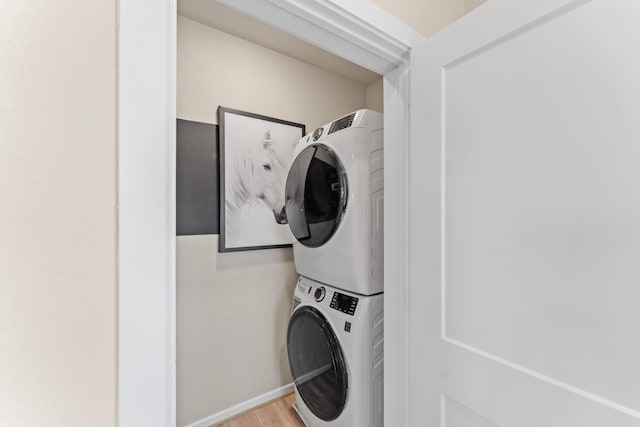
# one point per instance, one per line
(524, 256)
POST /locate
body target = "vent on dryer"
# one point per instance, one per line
(296, 302)
(342, 123)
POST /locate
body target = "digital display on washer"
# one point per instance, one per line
(342, 123)
(344, 303)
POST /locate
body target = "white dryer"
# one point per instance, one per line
(335, 347)
(334, 203)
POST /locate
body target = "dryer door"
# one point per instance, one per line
(317, 363)
(315, 195)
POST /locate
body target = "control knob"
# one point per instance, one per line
(317, 133)
(319, 294)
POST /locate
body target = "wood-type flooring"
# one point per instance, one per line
(277, 413)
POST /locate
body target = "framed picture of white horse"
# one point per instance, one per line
(255, 155)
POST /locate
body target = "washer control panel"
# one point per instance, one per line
(344, 303)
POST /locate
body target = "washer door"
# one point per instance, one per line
(315, 195)
(317, 364)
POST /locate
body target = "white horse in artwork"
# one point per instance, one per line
(258, 171)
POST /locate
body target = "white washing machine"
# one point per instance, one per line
(335, 347)
(334, 203)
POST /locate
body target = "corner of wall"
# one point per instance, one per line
(425, 16)
(469, 5)
(375, 96)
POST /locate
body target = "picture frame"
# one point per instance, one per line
(256, 152)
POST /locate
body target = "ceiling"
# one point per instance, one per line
(218, 16)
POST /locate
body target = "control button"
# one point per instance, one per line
(320, 292)
(347, 326)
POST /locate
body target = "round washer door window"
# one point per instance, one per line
(315, 195)
(317, 363)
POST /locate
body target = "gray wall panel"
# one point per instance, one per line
(197, 193)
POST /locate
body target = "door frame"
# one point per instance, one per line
(357, 31)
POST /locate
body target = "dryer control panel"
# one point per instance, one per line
(344, 303)
(342, 123)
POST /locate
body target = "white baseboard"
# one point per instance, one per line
(243, 406)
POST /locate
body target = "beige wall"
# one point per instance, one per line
(58, 213)
(233, 307)
(216, 68)
(428, 16)
(425, 16)
(375, 96)
(469, 5)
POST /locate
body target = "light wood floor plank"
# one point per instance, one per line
(289, 399)
(277, 413)
(271, 416)
(247, 420)
(289, 412)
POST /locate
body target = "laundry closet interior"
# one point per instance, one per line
(233, 307)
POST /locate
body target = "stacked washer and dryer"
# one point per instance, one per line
(334, 207)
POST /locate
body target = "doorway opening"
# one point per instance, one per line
(147, 124)
(233, 306)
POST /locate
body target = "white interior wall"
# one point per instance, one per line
(233, 308)
(58, 213)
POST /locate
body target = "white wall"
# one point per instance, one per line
(58, 213)
(233, 308)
